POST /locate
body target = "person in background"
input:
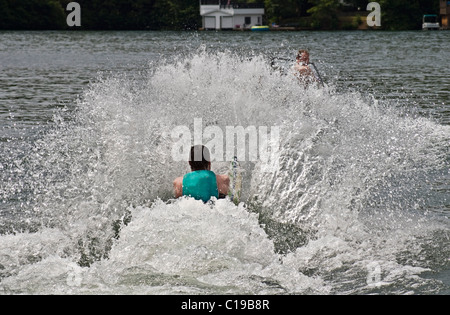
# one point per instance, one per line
(302, 69)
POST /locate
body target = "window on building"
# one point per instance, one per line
(248, 20)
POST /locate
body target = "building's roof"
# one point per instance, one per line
(217, 11)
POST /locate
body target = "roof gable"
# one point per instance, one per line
(221, 12)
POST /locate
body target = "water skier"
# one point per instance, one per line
(201, 183)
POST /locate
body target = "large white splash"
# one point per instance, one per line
(349, 195)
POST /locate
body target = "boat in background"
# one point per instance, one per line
(430, 22)
(260, 28)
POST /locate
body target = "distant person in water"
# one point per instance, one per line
(201, 183)
(302, 70)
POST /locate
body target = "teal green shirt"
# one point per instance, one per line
(201, 185)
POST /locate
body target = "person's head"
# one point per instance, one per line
(200, 158)
(303, 56)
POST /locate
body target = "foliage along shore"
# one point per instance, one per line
(184, 14)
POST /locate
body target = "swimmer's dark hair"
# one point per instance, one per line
(301, 52)
(200, 158)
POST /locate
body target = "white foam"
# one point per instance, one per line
(353, 175)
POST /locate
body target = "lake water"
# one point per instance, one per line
(357, 203)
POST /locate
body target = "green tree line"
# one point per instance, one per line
(184, 14)
(101, 14)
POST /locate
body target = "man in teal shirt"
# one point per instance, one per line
(201, 183)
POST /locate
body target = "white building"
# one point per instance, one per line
(222, 14)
